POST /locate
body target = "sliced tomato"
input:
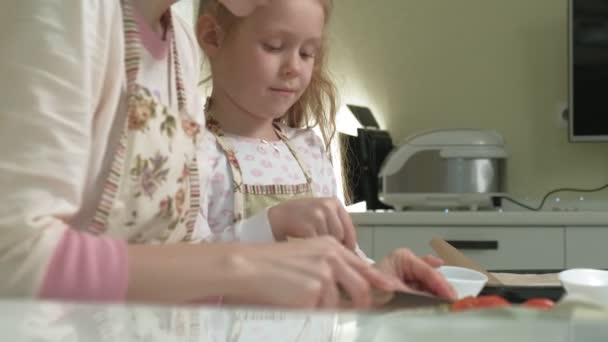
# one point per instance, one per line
(539, 303)
(463, 304)
(481, 302)
(491, 301)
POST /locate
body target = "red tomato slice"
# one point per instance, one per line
(491, 301)
(481, 302)
(539, 303)
(463, 304)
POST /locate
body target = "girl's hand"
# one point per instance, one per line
(306, 218)
(242, 8)
(312, 273)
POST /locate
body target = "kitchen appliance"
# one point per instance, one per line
(362, 158)
(446, 169)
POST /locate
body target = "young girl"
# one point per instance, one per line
(270, 85)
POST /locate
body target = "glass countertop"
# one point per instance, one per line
(57, 321)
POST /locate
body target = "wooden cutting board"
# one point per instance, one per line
(453, 257)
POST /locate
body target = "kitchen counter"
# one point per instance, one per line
(484, 218)
(498, 240)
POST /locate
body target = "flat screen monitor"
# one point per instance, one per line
(588, 70)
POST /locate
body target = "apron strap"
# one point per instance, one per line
(293, 151)
(114, 176)
(214, 127)
(132, 44)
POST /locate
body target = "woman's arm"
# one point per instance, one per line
(291, 274)
(52, 64)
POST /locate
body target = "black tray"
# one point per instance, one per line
(519, 294)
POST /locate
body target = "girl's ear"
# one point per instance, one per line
(209, 35)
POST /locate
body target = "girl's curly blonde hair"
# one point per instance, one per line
(318, 104)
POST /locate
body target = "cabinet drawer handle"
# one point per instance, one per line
(474, 245)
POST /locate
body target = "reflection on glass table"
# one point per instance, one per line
(52, 321)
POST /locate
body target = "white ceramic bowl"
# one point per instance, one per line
(586, 282)
(467, 282)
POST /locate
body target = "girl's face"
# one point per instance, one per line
(265, 64)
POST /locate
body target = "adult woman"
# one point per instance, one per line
(99, 122)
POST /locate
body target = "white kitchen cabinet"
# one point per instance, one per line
(365, 239)
(525, 240)
(496, 248)
(587, 247)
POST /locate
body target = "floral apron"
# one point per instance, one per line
(151, 194)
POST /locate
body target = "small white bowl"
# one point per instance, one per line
(466, 282)
(586, 282)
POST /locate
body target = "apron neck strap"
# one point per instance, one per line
(133, 49)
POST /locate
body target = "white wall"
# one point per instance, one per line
(496, 64)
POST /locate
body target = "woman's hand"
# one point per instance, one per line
(242, 8)
(417, 273)
(312, 273)
(306, 218)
